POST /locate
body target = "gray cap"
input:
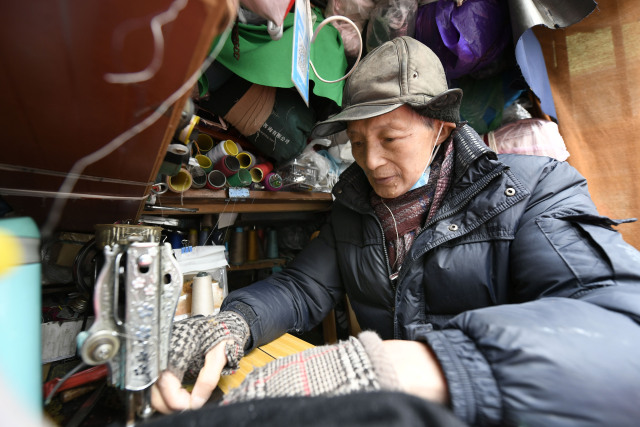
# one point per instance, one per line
(400, 71)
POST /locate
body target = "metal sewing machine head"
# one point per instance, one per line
(135, 298)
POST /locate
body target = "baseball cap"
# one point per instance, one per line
(400, 71)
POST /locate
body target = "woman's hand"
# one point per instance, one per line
(168, 395)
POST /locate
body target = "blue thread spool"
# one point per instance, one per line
(272, 244)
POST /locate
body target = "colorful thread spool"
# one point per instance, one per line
(180, 182)
(205, 143)
(228, 165)
(240, 179)
(246, 159)
(272, 244)
(273, 181)
(224, 148)
(253, 246)
(237, 248)
(259, 171)
(216, 180)
(185, 133)
(204, 162)
(198, 176)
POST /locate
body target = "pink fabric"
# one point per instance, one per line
(529, 136)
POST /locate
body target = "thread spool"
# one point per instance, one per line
(205, 143)
(273, 181)
(202, 302)
(246, 159)
(180, 182)
(198, 176)
(203, 236)
(240, 179)
(265, 167)
(272, 244)
(204, 162)
(175, 239)
(237, 248)
(193, 237)
(253, 246)
(185, 133)
(176, 155)
(216, 180)
(256, 174)
(228, 165)
(223, 148)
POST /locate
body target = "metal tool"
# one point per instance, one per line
(135, 299)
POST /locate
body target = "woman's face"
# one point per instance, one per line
(394, 149)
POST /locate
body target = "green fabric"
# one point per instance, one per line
(267, 62)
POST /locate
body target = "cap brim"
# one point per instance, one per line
(338, 123)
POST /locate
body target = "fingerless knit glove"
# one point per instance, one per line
(357, 364)
(192, 338)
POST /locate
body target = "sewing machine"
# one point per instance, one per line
(135, 298)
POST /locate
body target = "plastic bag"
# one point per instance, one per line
(310, 171)
(272, 10)
(356, 10)
(529, 136)
(390, 19)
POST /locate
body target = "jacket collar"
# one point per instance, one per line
(353, 188)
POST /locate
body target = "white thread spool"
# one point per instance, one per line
(202, 295)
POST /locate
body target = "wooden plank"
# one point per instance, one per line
(281, 347)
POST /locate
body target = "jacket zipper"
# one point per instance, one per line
(480, 186)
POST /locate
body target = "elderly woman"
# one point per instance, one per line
(486, 283)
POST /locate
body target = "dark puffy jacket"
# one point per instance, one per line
(529, 299)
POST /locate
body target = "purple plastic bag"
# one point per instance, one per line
(466, 38)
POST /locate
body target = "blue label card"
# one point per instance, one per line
(301, 46)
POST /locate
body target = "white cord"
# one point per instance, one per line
(82, 163)
(313, 38)
(158, 47)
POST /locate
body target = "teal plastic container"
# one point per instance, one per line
(20, 311)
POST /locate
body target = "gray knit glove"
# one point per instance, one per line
(194, 337)
(358, 364)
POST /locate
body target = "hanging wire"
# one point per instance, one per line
(313, 38)
(81, 164)
(158, 43)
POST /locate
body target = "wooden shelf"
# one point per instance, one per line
(257, 265)
(217, 201)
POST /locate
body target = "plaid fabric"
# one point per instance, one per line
(329, 370)
(192, 338)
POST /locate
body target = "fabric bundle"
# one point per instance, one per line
(466, 38)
